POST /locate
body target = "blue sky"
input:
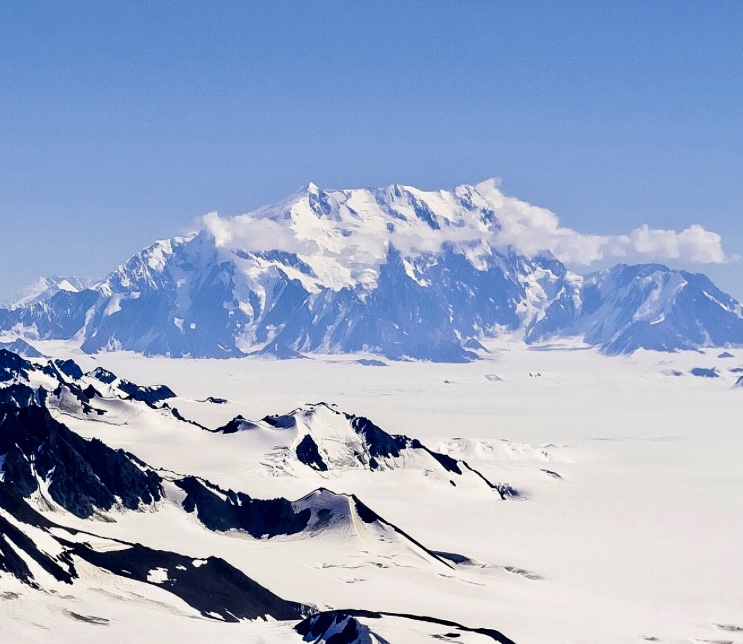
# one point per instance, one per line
(124, 122)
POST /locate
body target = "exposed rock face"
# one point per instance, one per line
(82, 476)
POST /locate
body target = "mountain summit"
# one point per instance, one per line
(396, 271)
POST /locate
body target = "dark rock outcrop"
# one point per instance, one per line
(349, 627)
(308, 454)
(224, 510)
(212, 586)
(82, 476)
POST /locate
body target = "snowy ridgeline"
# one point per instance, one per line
(80, 518)
(397, 272)
(137, 512)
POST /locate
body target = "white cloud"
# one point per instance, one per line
(530, 229)
(355, 237)
(256, 234)
(693, 244)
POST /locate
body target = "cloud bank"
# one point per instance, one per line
(356, 228)
(531, 229)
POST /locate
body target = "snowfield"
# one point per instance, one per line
(624, 524)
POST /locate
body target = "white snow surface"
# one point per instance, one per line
(628, 528)
(344, 235)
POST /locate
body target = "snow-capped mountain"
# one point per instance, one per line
(646, 306)
(398, 272)
(45, 287)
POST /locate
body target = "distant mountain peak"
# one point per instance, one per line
(396, 271)
(45, 287)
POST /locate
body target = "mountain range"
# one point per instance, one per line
(67, 501)
(398, 272)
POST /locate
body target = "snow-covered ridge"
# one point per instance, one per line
(319, 438)
(314, 444)
(65, 502)
(345, 235)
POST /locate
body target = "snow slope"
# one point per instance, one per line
(629, 515)
(76, 513)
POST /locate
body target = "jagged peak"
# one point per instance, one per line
(397, 271)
